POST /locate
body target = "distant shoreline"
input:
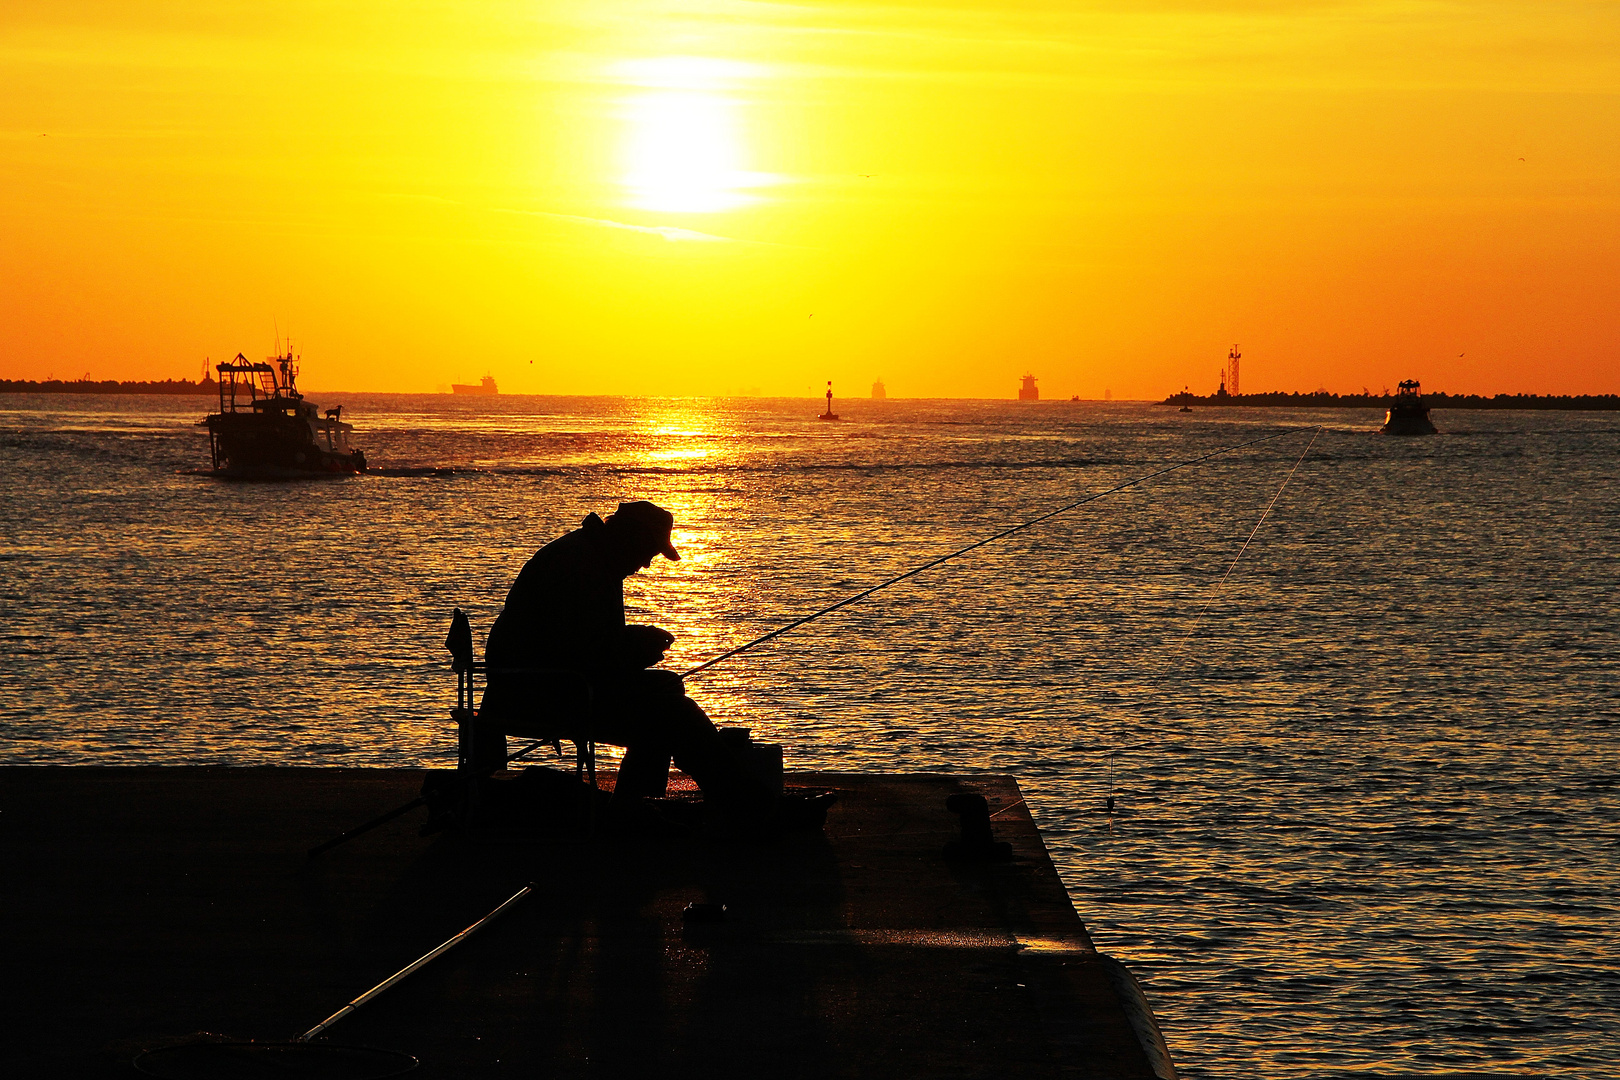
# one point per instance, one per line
(108, 386)
(1323, 400)
(1275, 399)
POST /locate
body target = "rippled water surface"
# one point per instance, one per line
(1366, 802)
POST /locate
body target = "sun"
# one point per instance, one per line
(683, 149)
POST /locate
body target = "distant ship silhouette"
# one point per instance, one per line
(486, 386)
(1027, 392)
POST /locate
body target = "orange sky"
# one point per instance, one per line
(727, 197)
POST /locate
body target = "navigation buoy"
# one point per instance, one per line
(829, 414)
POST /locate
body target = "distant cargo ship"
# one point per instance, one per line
(879, 392)
(1027, 392)
(486, 387)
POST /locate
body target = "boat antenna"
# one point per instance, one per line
(856, 598)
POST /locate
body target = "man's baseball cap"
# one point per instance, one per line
(652, 521)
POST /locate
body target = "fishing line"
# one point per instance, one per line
(1175, 658)
(779, 631)
(1187, 637)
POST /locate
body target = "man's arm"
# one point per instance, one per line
(644, 646)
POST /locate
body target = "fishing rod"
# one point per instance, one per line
(856, 598)
(422, 961)
(306, 1054)
(829, 609)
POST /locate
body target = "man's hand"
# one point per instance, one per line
(644, 646)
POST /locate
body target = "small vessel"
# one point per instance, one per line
(266, 430)
(1408, 415)
(829, 414)
(1027, 392)
(486, 387)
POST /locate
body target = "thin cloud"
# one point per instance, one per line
(668, 232)
(407, 196)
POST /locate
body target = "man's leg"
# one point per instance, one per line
(651, 716)
(643, 773)
(701, 754)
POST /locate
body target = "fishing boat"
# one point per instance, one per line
(1408, 415)
(486, 387)
(265, 429)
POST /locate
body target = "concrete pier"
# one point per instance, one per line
(143, 906)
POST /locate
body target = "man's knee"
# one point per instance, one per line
(687, 720)
(670, 725)
(660, 685)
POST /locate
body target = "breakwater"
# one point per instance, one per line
(1321, 399)
(107, 386)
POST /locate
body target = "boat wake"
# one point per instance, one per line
(425, 470)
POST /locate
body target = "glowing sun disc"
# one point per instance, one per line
(683, 150)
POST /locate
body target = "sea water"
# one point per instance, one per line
(1364, 776)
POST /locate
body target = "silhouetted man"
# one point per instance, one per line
(566, 611)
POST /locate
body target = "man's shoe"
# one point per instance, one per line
(797, 811)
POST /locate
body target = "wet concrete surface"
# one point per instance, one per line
(143, 906)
